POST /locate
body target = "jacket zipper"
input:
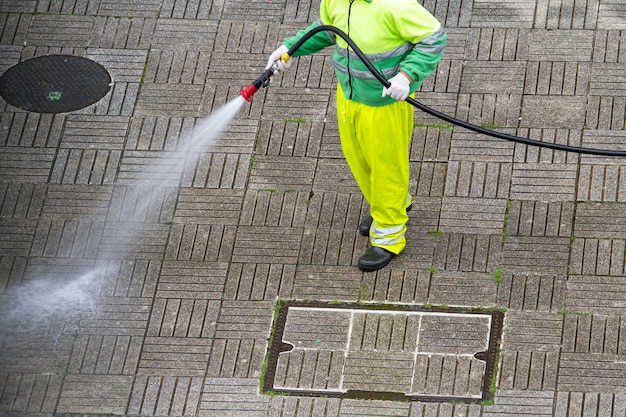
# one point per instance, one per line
(348, 50)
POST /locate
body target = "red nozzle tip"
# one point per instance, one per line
(248, 92)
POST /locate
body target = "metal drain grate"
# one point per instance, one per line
(383, 352)
(55, 84)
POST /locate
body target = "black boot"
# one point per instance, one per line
(364, 226)
(375, 258)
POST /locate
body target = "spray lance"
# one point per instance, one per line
(264, 79)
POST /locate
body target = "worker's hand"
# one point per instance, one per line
(400, 87)
(275, 57)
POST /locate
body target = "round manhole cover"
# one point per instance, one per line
(55, 84)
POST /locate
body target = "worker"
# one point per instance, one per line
(405, 43)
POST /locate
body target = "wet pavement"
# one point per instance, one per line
(148, 272)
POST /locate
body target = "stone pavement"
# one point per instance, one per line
(203, 280)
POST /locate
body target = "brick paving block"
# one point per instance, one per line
(144, 167)
(296, 406)
(537, 154)
(141, 8)
(27, 130)
(11, 271)
(21, 201)
(217, 170)
(95, 394)
(431, 142)
(548, 45)
(531, 292)
(529, 370)
(371, 408)
(60, 30)
(174, 356)
(533, 331)
(327, 283)
(94, 132)
(85, 166)
(34, 354)
(267, 244)
(174, 34)
(157, 133)
(208, 206)
(396, 285)
(479, 148)
(282, 173)
(333, 175)
(129, 278)
(478, 179)
(259, 281)
(42, 392)
(610, 15)
(18, 6)
(518, 15)
(422, 409)
(466, 252)
(133, 241)
(122, 32)
(330, 146)
(164, 395)
(288, 103)
(177, 67)
(445, 102)
(324, 246)
(296, 137)
(119, 316)
(607, 80)
(581, 372)
(557, 78)
(595, 294)
(488, 77)
(602, 139)
(544, 182)
(182, 318)
(286, 208)
(192, 280)
(105, 354)
(427, 179)
(521, 403)
(26, 165)
(472, 215)
(169, 100)
(540, 218)
(198, 9)
(593, 334)
(17, 236)
(244, 320)
(232, 358)
(462, 289)
(232, 397)
(536, 255)
(590, 403)
(554, 112)
(125, 66)
(600, 220)
(598, 257)
(9, 56)
(200, 242)
(67, 238)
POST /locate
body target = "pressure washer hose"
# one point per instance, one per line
(262, 82)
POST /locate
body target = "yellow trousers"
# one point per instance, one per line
(375, 142)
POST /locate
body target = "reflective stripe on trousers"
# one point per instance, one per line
(375, 142)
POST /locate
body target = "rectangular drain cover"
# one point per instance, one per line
(384, 352)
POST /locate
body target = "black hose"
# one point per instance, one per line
(443, 116)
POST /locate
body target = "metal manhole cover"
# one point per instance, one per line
(55, 84)
(384, 352)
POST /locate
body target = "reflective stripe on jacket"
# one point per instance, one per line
(394, 35)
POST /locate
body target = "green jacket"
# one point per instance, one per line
(395, 35)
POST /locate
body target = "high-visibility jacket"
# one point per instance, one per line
(395, 35)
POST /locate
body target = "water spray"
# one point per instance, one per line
(263, 81)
